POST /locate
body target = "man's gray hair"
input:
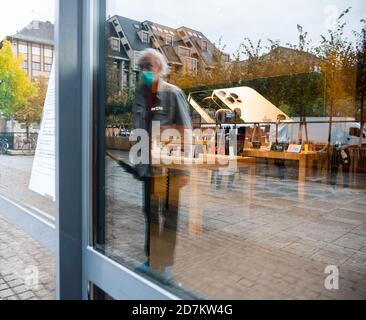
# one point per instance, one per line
(144, 56)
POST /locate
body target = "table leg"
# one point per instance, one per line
(301, 180)
(253, 178)
(195, 222)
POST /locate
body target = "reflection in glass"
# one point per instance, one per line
(292, 204)
(24, 83)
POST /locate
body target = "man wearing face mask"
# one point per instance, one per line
(159, 101)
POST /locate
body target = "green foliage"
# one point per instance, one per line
(119, 111)
(116, 107)
(361, 71)
(16, 90)
(338, 63)
(6, 96)
(32, 111)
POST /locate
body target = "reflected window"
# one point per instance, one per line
(114, 44)
(36, 50)
(23, 48)
(48, 53)
(185, 52)
(169, 40)
(36, 66)
(127, 47)
(47, 67)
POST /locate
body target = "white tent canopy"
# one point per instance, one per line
(254, 108)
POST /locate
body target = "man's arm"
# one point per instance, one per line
(139, 110)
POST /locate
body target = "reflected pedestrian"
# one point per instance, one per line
(159, 101)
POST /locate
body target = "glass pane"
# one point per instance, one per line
(247, 176)
(27, 152)
(27, 120)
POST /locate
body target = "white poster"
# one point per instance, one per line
(44, 165)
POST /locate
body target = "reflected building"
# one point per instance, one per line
(184, 48)
(36, 43)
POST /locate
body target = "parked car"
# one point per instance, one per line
(124, 132)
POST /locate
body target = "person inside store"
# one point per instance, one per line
(340, 159)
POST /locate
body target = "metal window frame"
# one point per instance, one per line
(68, 36)
(80, 87)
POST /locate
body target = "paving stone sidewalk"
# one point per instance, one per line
(27, 270)
(259, 240)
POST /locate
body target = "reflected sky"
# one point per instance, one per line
(235, 19)
(231, 19)
(16, 14)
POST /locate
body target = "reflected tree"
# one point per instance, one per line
(361, 75)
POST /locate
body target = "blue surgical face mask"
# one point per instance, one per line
(148, 78)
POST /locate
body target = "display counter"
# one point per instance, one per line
(306, 162)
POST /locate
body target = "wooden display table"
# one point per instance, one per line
(193, 166)
(305, 159)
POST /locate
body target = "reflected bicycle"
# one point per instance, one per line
(28, 145)
(4, 146)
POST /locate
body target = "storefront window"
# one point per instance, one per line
(27, 120)
(27, 153)
(245, 179)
